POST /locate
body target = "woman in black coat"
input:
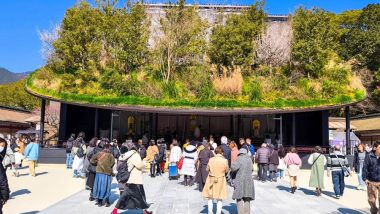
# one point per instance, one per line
(4, 188)
(92, 168)
(203, 159)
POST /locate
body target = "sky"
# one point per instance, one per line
(20, 21)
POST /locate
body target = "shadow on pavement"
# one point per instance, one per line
(20, 192)
(31, 212)
(283, 188)
(348, 211)
(41, 173)
(307, 191)
(231, 208)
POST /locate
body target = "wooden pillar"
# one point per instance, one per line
(42, 121)
(348, 140)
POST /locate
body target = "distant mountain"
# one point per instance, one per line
(7, 77)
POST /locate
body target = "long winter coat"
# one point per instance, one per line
(244, 186)
(216, 183)
(9, 157)
(135, 166)
(190, 157)
(4, 188)
(317, 170)
(92, 168)
(150, 153)
(203, 159)
(86, 162)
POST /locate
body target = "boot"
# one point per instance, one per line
(292, 190)
(318, 192)
(186, 183)
(99, 202)
(91, 198)
(107, 203)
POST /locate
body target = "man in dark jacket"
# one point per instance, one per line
(371, 175)
(4, 188)
(262, 160)
(226, 149)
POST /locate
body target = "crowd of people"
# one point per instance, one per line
(212, 165)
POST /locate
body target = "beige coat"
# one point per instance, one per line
(216, 183)
(136, 165)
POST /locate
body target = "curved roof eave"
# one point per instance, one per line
(196, 110)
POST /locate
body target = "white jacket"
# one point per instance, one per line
(175, 154)
(190, 155)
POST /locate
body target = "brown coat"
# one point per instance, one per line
(150, 153)
(216, 183)
(104, 162)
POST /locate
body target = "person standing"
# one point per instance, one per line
(251, 147)
(281, 166)
(293, 163)
(359, 157)
(104, 162)
(273, 164)
(216, 183)
(114, 148)
(175, 152)
(335, 162)
(244, 189)
(262, 160)
(371, 175)
(317, 161)
(69, 147)
(234, 151)
(150, 154)
(141, 149)
(4, 188)
(203, 159)
(226, 149)
(32, 152)
(9, 160)
(133, 196)
(87, 166)
(79, 153)
(190, 157)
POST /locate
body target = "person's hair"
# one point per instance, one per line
(72, 135)
(81, 134)
(363, 146)
(92, 142)
(106, 148)
(219, 150)
(318, 149)
(187, 141)
(123, 149)
(293, 149)
(2, 140)
(175, 142)
(32, 138)
(207, 145)
(376, 144)
(232, 144)
(263, 145)
(152, 143)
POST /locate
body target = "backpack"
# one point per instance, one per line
(80, 152)
(123, 173)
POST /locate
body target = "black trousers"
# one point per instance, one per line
(153, 169)
(1, 207)
(263, 170)
(189, 180)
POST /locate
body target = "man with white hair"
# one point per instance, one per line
(335, 162)
(226, 149)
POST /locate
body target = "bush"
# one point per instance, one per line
(305, 85)
(228, 86)
(253, 89)
(330, 88)
(339, 75)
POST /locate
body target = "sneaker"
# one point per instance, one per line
(147, 212)
(91, 198)
(337, 196)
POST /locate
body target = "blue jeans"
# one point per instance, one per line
(280, 173)
(338, 181)
(69, 160)
(360, 179)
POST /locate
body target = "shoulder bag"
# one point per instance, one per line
(345, 169)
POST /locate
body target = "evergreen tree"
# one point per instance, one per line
(315, 37)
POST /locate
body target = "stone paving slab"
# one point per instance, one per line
(171, 197)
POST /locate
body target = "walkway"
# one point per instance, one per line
(171, 197)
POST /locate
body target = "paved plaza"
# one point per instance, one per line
(171, 197)
(55, 191)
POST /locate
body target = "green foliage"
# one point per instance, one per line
(234, 43)
(339, 75)
(183, 43)
(14, 95)
(198, 81)
(363, 39)
(252, 87)
(330, 88)
(315, 37)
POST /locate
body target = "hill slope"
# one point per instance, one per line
(7, 77)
